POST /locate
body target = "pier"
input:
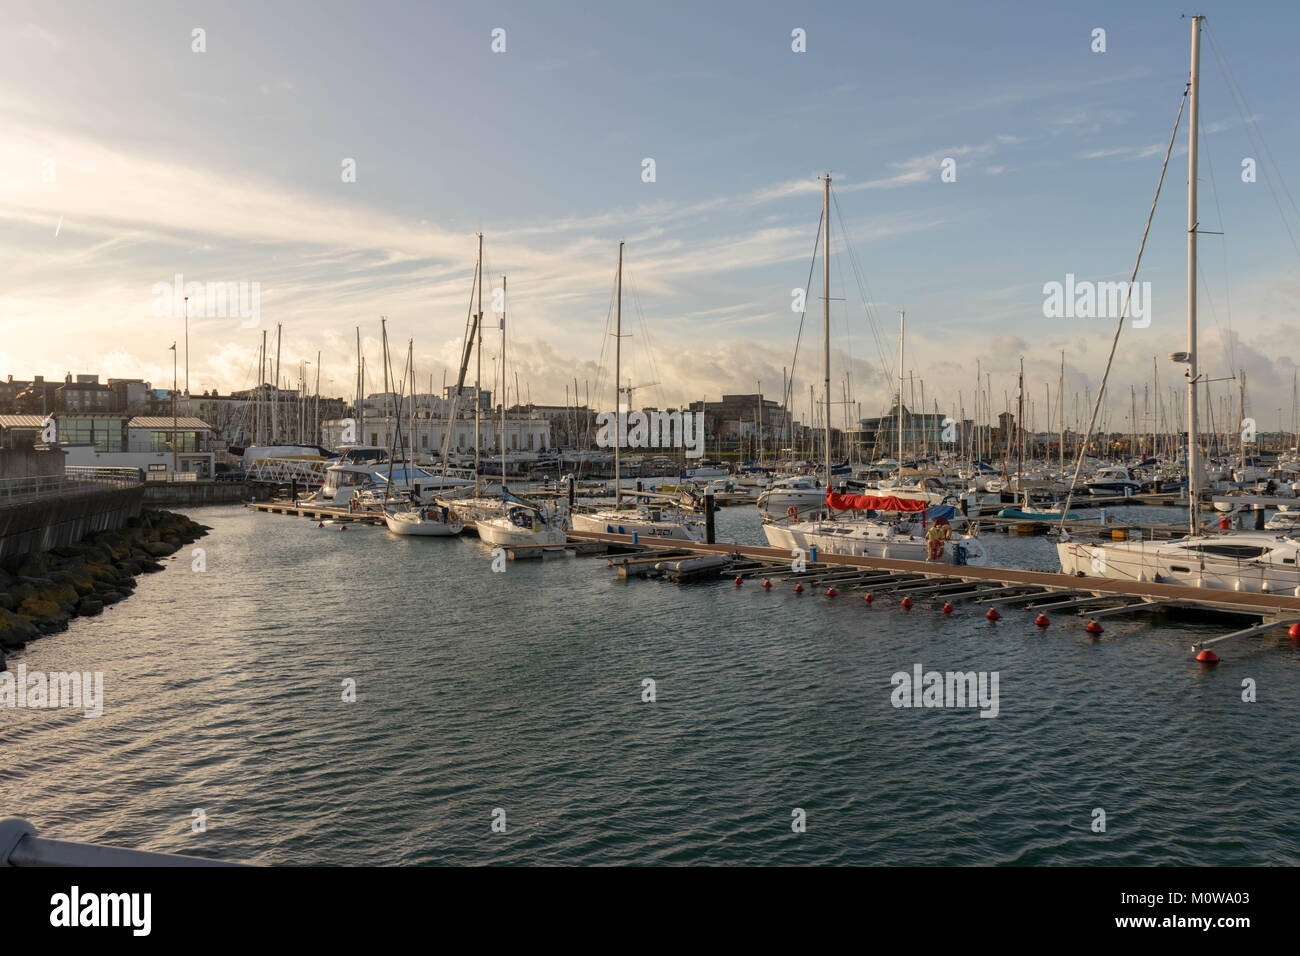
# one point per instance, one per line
(984, 586)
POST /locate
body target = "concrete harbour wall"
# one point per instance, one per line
(54, 521)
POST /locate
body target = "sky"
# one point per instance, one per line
(129, 156)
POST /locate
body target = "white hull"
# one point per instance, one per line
(864, 539)
(779, 501)
(502, 531)
(630, 522)
(413, 524)
(1252, 562)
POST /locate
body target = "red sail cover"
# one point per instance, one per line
(873, 503)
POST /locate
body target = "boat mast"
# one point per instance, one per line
(1193, 450)
(478, 371)
(826, 317)
(1060, 413)
(901, 320)
(361, 422)
(618, 388)
(503, 381)
(1020, 423)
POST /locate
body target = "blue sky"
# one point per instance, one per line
(225, 166)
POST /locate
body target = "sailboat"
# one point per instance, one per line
(1242, 561)
(525, 523)
(648, 520)
(903, 536)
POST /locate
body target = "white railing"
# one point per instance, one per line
(75, 479)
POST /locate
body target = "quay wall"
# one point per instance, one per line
(162, 493)
(65, 519)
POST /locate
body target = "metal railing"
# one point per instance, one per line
(20, 846)
(75, 479)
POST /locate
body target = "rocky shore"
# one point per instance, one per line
(41, 592)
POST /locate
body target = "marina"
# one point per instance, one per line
(578, 437)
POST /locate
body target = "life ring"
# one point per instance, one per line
(792, 512)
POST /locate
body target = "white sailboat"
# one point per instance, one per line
(427, 521)
(524, 524)
(1242, 561)
(644, 520)
(905, 536)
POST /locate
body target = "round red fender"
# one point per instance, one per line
(1293, 632)
(867, 597)
(947, 608)
(1208, 657)
(831, 592)
(992, 614)
(739, 580)
(767, 585)
(798, 589)
(1042, 620)
(1092, 627)
(907, 603)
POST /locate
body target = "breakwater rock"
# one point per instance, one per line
(41, 591)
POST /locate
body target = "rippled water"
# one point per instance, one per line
(522, 691)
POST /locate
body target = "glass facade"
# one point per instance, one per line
(104, 434)
(162, 441)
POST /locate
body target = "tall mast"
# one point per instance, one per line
(478, 370)
(826, 317)
(1193, 450)
(361, 422)
(1060, 413)
(618, 370)
(275, 394)
(1020, 423)
(503, 379)
(901, 322)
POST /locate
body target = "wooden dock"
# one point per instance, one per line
(1034, 590)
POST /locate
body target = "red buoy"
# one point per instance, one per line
(343, 528)
(798, 589)
(1208, 657)
(867, 597)
(767, 585)
(1092, 627)
(992, 614)
(1293, 632)
(947, 608)
(739, 580)
(907, 603)
(831, 592)
(321, 525)
(1042, 620)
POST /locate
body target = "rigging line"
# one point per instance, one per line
(1252, 130)
(864, 290)
(1201, 278)
(656, 378)
(606, 333)
(1119, 326)
(848, 332)
(794, 362)
(1214, 191)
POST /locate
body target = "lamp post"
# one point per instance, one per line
(174, 449)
